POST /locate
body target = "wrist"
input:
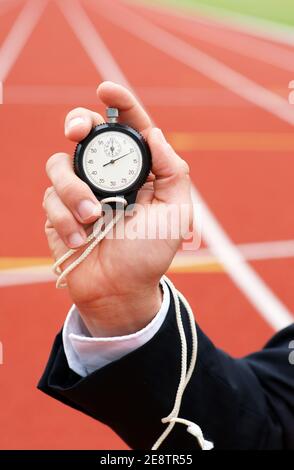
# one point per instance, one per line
(120, 315)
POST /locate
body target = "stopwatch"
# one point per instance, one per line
(114, 159)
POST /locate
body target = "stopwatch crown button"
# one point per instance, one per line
(112, 114)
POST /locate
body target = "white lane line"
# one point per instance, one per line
(19, 35)
(240, 22)
(197, 60)
(152, 96)
(281, 249)
(249, 282)
(92, 42)
(188, 97)
(278, 249)
(243, 45)
(268, 250)
(268, 305)
(29, 275)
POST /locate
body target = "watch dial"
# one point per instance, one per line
(112, 161)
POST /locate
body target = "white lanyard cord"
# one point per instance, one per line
(185, 376)
(95, 237)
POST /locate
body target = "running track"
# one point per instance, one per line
(221, 97)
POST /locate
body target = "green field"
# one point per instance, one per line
(280, 11)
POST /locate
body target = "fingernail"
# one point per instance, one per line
(75, 122)
(75, 240)
(87, 209)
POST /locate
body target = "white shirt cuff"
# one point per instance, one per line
(85, 354)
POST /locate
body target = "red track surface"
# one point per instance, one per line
(250, 193)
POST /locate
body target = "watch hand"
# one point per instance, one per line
(114, 160)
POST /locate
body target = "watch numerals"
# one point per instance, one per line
(112, 161)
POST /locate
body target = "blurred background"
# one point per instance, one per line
(216, 76)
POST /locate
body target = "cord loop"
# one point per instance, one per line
(186, 375)
(95, 237)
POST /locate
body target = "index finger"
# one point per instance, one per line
(131, 111)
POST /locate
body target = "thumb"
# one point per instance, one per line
(172, 183)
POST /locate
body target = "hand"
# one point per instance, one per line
(116, 289)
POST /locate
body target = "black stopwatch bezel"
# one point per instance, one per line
(136, 136)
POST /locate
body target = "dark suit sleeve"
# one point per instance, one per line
(239, 403)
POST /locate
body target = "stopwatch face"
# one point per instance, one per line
(112, 161)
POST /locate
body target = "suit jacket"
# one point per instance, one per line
(245, 403)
